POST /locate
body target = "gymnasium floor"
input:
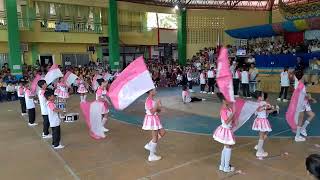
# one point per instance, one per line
(188, 151)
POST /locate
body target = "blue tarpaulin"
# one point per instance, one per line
(283, 60)
(252, 32)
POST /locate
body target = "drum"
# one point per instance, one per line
(71, 117)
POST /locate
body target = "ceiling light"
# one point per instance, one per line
(176, 7)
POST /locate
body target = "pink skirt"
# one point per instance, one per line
(82, 89)
(63, 95)
(152, 122)
(262, 125)
(224, 136)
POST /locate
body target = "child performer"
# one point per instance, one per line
(152, 123)
(101, 95)
(261, 123)
(62, 93)
(202, 82)
(54, 119)
(30, 105)
(245, 83)
(20, 93)
(285, 83)
(43, 107)
(302, 125)
(82, 90)
(224, 134)
(186, 98)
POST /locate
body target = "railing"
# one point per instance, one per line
(77, 27)
(24, 24)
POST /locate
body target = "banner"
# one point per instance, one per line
(243, 111)
(130, 84)
(224, 76)
(53, 74)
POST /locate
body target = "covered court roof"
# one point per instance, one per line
(221, 4)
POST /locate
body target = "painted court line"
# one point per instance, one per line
(200, 159)
(65, 164)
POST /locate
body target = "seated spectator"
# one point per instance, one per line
(11, 91)
(251, 60)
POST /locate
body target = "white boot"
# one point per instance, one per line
(221, 167)
(85, 98)
(147, 146)
(153, 150)
(227, 156)
(260, 152)
(104, 120)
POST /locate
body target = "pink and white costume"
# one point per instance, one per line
(261, 123)
(306, 105)
(81, 87)
(101, 93)
(151, 121)
(224, 133)
(62, 91)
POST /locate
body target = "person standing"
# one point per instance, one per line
(211, 80)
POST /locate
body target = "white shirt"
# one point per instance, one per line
(284, 79)
(186, 97)
(263, 113)
(210, 74)
(42, 102)
(202, 78)
(251, 60)
(10, 88)
(54, 119)
(198, 65)
(29, 99)
(189, 76)
(244, 77)
(253, 74)
(20, 91)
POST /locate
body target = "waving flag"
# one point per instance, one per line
(243, 111)
(70, 78)
(93, 115)
(53, 74)
(296, 106)
(224, 76)
(34, 83)
(94, 82)
(131, 83)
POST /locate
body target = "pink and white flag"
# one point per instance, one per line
(296, 106)
(130, 84)
(94, 82)
(224, 76)
(70, 78)
(34, 83)
(53, 74)
(92, 112)
(243, 111)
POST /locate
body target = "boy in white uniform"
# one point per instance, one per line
(54, 119)
(285, 83)
(43, 107)
(30, 106)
